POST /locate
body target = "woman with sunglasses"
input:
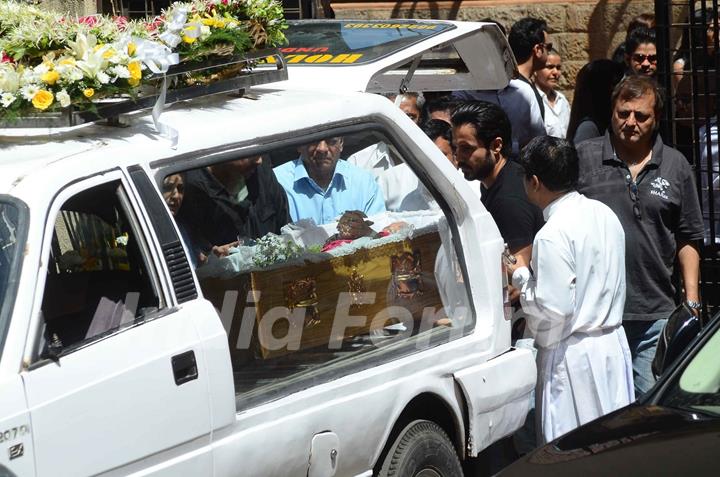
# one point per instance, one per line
(641, 54)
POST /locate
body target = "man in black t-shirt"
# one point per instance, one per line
(482, 139)
(482, 142)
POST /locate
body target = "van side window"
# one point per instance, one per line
(317, 252)
(97, 279)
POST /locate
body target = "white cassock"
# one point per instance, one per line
(574, 300)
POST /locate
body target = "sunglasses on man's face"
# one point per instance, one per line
(640, 58)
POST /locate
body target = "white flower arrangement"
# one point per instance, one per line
(49, 61)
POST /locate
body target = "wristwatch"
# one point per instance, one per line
(695, 305)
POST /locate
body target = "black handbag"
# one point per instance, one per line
(681, 327)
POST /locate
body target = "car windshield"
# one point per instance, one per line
(353, 42)
(10, 247)
(698, 387)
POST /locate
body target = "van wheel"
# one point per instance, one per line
(421, 450)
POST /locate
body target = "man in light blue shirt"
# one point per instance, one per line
(322, 187)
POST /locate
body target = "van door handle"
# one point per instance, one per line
(184, 367)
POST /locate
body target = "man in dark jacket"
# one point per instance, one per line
(233, 201)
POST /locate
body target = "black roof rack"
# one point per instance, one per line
(244, 76)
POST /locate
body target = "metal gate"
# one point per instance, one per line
(688, 52)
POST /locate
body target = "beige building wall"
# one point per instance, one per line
(90, 7)
(580, 30)
(72, 7)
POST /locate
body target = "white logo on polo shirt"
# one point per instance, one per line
(660, 187)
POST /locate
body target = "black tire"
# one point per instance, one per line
(421, 449)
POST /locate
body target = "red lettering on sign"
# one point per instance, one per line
(306, 49)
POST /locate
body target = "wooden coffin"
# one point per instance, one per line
(398, 273)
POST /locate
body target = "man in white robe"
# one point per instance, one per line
(573, 293)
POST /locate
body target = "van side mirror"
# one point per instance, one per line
(681, 328)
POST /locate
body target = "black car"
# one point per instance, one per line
(674, 430)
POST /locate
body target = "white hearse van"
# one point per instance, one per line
(136, 339)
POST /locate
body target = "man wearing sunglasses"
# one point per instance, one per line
(651, 189)
(641, 55)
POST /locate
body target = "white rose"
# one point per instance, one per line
(103, 77)
(41, 69)
(120, 71)
(9, 79)
(75, 75)
(64, 98)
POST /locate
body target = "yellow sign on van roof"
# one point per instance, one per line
(346, 42)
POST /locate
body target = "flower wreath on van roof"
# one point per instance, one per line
(50, 61)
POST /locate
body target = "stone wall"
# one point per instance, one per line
(580, 30)
(73, 7)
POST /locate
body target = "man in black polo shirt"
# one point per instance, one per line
(650, 188)
(482, 142)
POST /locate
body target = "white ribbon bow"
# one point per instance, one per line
(158, 58)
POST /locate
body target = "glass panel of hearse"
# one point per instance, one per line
(319, 276)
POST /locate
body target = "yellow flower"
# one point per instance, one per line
(50, 77)
(133, 81)
(131, 48)
(43, 99)
(68, 61)
(135, 70)
(213, 22)
(88, 92)
(109, 53)
(188, 39)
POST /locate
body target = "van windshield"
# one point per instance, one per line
(10, 247)
(354, 42)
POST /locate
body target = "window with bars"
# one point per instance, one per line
(689, 53)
